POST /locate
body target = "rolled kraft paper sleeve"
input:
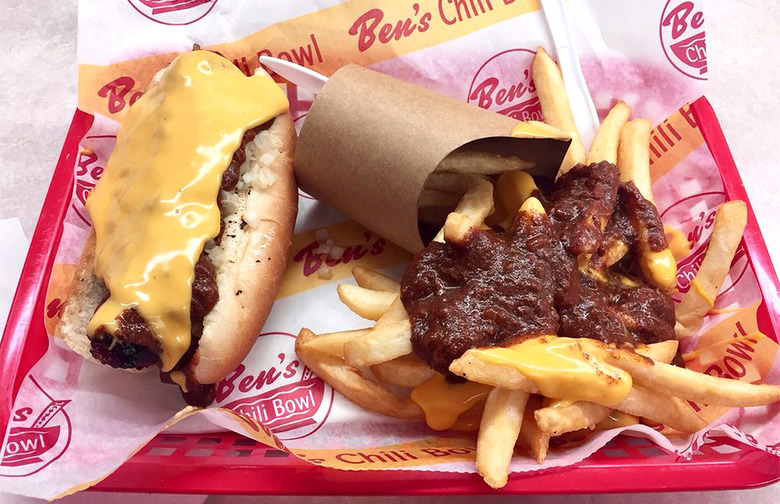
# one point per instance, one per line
(370, 141)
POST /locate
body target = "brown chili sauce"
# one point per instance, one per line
(496, 287)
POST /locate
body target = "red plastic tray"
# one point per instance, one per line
(227, 463)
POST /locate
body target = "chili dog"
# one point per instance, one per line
(192, 220)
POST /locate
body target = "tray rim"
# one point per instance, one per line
(18, 354)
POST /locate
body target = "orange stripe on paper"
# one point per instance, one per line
(672, 141)
(306, 269)
(360, 31)
(733, 348)
(416, 453)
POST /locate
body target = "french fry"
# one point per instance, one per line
(450, 183)
(498, 432)
(350, 383)
(532, 206)
(434, 198)
(396, 313)
(727, 232)
(658, 407)
(473, 368)
(537, 441)
(484, 163)
(367, 303)
(615, 252)
(512, 189)
(370, 279)
(578, 415)
(555, 105)
(457, 227)
(476, 204)
(381, 344)
(460, 195)
(333, 343)
(663, 351)
(584, 415)
(605, 143)
(405, 371)
(634, 155)
(690, 385)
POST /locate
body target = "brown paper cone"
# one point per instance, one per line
(370, 141)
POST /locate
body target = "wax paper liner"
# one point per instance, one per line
(74, 422)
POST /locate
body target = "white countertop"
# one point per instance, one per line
(39, 97)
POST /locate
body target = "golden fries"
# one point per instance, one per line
(457, 227)
(471, 367)
(512, 189)
(657, 407)
(434, 198)
(450, 183)
(555, 421)
(405, 371)
(367, 303)
(663, 351)
(396, 313)
(690, 385)
(370, 279)
(498, 432)
(333, 343)
(350, 383)
(605, 143)
(555, 105)
(727, 232)
(502, 397)
(381, 344)
(476, 204)
(633, 159)
(483, 163)
(531, 436)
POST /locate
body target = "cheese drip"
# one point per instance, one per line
(678, 242)
(444, 402)
(156, 205)
(565, 368)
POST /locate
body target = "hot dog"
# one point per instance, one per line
(192, 220)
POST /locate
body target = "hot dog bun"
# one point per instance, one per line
(259, 217)
(250, 266)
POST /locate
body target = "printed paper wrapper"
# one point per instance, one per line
(75, 422)
(386, 136)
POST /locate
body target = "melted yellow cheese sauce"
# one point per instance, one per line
(537, 129)
(702, 292)
(678, 242)
(565, 368)
(660, 268)
(443, 402)
(156, 205)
